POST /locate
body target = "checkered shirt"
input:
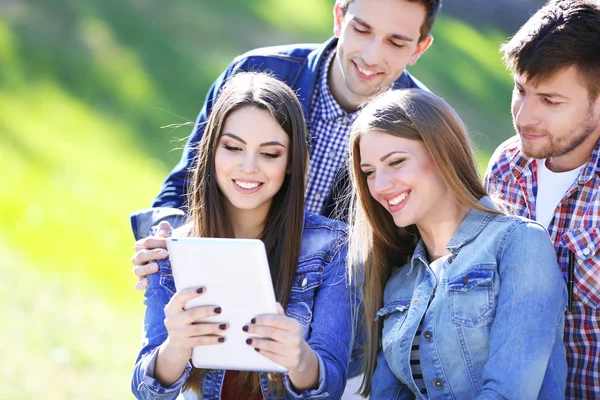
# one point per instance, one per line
(511, 177)
(329, 127)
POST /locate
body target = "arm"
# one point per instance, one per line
(170, 334)
(529, 315)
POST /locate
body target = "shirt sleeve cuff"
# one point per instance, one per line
(155, 387)
(318, 393)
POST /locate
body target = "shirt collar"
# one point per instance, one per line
(327, 108)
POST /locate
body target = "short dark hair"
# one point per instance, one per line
(561, 34)
(431, 6)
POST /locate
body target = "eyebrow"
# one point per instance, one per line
(386, 157)
(271, 143)
(545, 94)
(393, 35)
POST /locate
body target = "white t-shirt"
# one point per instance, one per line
(551, 187)
(437, 265)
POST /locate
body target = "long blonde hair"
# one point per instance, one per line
(376, 243)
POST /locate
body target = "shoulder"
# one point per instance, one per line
(503, 156)
(292, 53)
(511, 230)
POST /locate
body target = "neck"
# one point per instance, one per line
(340, 92)
(246, 224)
(437, 233)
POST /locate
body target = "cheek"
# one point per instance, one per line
(515, 105)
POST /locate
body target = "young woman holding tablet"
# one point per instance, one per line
(249, 183)
(461, 301)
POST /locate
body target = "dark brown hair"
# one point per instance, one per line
(432, 7)
(561, 34)
(282, 230)
(375, 241)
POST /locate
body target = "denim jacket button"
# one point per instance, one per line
(403, 342)
(427, 335)
(304, 281)
(438, 384)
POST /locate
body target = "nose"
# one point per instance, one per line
(524, 112)
(382, 183)
(372, 53)
(249, 165)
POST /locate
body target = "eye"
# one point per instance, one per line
(396, 45)
(549, 102)
(359, 31)
(396, 162)
(368, 172)
(271, 155)
(519, 90)
(231, 148)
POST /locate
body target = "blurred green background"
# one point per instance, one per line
(85, 87)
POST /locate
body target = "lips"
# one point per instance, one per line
(247, 186)
(397, 201)
(365, 73)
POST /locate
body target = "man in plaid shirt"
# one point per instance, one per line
(550, 171)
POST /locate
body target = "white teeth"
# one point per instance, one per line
(247, 185)
(397, 200)
(365, 71)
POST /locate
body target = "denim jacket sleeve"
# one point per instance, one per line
(385, 385)
(143, 384)
(331, 328)
(531, 285)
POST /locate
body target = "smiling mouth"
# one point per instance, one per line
(367, 73)
(247, 186)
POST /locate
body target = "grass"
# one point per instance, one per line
(84, 89)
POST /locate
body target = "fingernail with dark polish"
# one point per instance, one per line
(248, 341)
(253, 321)
(245, 328)
(200, 290)
(221, 340)
(218, 310)
(223, 327)
(257, 350)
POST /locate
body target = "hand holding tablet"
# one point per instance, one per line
(235, 275)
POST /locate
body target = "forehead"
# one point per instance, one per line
(375, 144)
(254, 124)
(566, 82)
(390, 16)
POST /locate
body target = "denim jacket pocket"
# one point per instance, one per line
(393, 315)
(166, 276)
(585, 243)
(472, 296)
(302, 295)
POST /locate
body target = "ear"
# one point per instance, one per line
(338, 18)
(422, 46)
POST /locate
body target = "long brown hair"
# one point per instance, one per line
(375, 241)
(282, 230)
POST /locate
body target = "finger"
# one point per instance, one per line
(151, 242)
(205, 340)
(142, 284)
(144, 256)
(271, 333)
(276, 358)
(276, 321)
(266, 345)
(164, 229)
(197, 314)
(280, 309)
(207, 328)
(141, 271)
(181, 297)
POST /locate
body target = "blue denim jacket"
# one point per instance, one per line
(320, 299)
(296, 65)
(492, 329)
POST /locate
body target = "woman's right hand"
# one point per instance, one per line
(185, 327)
(185, 331)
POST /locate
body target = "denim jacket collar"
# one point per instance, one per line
(467, 231)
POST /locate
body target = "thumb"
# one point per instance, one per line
(280, 309)
(164, 229)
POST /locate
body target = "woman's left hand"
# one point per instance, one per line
(282, 342)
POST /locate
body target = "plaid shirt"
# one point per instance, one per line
(329, 128)
(511, 177)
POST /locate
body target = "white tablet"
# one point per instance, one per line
(236, 275)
